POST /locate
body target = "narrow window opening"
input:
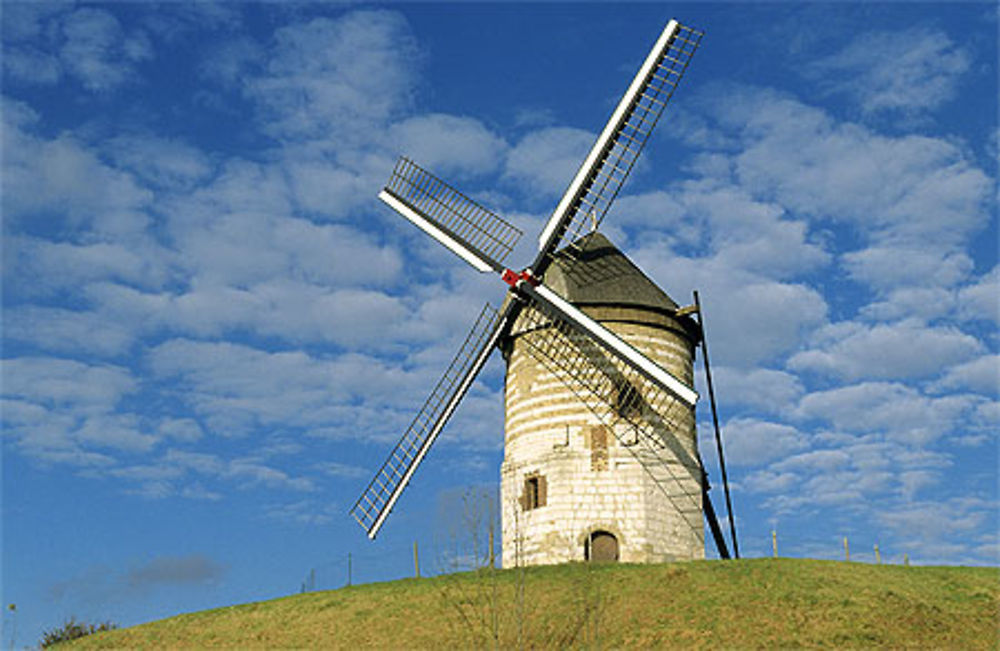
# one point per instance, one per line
(534, 492)
(531, 493)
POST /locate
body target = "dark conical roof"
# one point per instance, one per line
(591, 271)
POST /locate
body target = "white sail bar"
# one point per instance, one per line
(440, 234)
(377, 500)
(610, 160)
(608, 340)
(450, 217)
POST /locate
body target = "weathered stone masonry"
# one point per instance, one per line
(567, 479)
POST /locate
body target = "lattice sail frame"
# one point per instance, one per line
(617, 394)
(377, 500)
(614, 154)
(478, 229)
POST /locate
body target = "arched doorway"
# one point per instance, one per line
(600, 546)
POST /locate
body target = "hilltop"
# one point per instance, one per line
(707, 604)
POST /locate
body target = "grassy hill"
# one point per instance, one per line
(710, 604)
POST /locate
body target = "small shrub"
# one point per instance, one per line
(71, 630)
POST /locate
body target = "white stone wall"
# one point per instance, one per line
(550, 432)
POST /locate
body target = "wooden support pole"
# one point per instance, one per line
(878, 556)
(774, 542)
(847, 551)
(416, 560)
(715, 423)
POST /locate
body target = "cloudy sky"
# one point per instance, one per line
(214, 332)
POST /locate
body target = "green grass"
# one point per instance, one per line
(710, 604)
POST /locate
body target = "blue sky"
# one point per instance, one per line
(213, 330)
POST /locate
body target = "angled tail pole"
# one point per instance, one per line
(713, 521)
(715, 423)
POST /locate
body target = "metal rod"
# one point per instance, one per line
(715, 423)
(713, 521)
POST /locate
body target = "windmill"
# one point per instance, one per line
(601, 459)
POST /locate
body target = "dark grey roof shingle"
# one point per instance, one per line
(597, 273)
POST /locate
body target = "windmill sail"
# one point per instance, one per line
(377, 500)
(610, 160)
(472, 232)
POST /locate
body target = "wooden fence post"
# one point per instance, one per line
(878, 557)
(416, 560)
(774, 542)
(847, 551)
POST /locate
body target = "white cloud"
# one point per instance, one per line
(981, 375)
(58, 410)
(750, 235)
(66, 182)
(902, 194)
(27, 20)
(67, 331)
(331, 192)
(923, 303)
(28, 52)
(750, 319)
(337, 79)
(236, 386)
(908, 71)
(230, 61)
(286, 309)
(899, 411)
(904, 350)
(239, 231)
(761, 388)
(887, 267)
(752, 442)
(116, 431)
(981, 300)
(86, 388)
(28, 64)
(936, 520)
(815, 461)
(38, 266)
(544, 162)
(447, 145)
(98, 52)
(180, 429)
(162, 162)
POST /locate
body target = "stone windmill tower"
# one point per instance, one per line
(577, 481)
(601, 459)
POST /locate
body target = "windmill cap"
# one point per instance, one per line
(592, 271)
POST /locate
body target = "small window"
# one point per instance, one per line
(534, 492)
